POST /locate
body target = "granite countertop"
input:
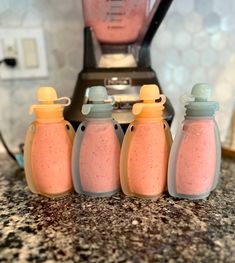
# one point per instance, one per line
(118, 229)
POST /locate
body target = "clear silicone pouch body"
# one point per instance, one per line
(194, 162)
(115, 22)
(47, 153)
(144, 158)
(95, 158)
(218, 155)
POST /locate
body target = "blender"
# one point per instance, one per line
(117, 38)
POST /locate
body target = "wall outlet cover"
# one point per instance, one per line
(28, 45)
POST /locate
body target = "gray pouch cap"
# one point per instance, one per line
(200, 107)
(100, 106)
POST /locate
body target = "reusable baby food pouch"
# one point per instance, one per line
(146, 146)
(48, 146)
(96, 149)
(195, 155)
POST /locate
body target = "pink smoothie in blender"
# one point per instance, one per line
(116, 22)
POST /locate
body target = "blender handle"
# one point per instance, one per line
(89, 57)
(156, 16)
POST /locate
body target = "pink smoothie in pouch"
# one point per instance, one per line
(51, 155)
(196, 158)
(147, 164)
(99, 158)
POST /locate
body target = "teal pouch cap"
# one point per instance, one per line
(99, 105)
(201, 106)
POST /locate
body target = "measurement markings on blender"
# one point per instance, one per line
(117, 6)
(116, 14)
(115, 27)
(116, 17)
(115, 20)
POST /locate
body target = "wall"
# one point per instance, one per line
(195, 43)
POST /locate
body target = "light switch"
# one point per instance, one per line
(30, 53)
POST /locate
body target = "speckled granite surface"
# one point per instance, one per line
(117, 229)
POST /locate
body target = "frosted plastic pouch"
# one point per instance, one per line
(149, 122)
(195, 156)
(125, 152)
(48, 113)
(28, 144)
(76, 155)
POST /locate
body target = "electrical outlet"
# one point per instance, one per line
(27, 46)
(9, 47)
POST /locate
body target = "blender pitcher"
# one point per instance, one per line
(116, 22)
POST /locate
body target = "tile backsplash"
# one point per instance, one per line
(195, 43)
